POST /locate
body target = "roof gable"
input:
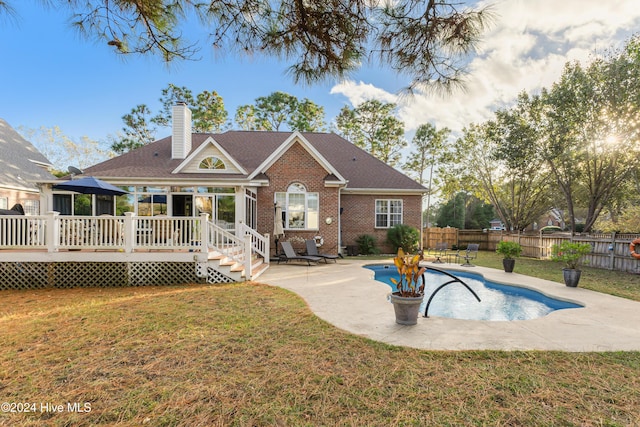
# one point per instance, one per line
(288, 143)
(209, 148)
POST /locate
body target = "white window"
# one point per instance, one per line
(300, 210)
(388, 213)
(4, 203)
(31, 207)
(212, 163)
(251, 210)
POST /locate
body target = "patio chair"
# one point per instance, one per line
(290, 255)
(312, 250)
(468, 254)
(439, 252)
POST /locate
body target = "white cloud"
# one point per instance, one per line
(357, 93)
(525, 50)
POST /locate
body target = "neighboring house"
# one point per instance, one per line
(21, 166)
(327, 188)
(496, 224)
(552, 218)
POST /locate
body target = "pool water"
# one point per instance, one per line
(499, 302)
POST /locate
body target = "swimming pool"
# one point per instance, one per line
(499, 302)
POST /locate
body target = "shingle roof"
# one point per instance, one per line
(20, 162)
(359, 167)
(250, 150)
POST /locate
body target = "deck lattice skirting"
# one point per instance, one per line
(63, 251)
(40, 275)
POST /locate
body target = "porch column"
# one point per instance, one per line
(129, 232)
(52, 235)
(240, 207)
(204, 232)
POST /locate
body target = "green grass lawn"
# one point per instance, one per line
(254, 355)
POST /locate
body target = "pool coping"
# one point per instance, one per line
(346, 295)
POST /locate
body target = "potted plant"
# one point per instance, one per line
(409, 291)
(571, 253)
(509, 251)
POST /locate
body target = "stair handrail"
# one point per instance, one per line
(259, 243)
(226, 243)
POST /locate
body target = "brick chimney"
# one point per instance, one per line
(181, 131)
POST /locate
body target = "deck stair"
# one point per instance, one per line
(226, 255)
(219, 264)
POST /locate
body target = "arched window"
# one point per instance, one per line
(212, 163)
(296, 188)
(300, 209)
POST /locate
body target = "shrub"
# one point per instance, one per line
(570, 253)
(367, 245)
(509, 249)
(403, 236)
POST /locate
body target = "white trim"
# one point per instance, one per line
(292, 139)
(41, 164)
(30, 190)
(384, 191)
(197, 182)
(203, 146)
(335, 183)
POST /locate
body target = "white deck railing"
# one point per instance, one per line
(259, 243)
(129, 233)
(19, 231)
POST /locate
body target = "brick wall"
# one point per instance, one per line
(297, 165)
(358, 217)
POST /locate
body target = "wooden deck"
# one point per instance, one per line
(213, 253)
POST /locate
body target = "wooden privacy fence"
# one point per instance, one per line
(610, 250)
(433, 235)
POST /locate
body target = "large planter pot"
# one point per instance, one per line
(406, 309)
(571, 277)
(508, 264)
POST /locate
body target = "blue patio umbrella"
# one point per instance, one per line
(90, 185)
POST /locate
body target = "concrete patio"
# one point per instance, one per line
(346, 295)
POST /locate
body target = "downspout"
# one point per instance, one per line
(339, 216)
(421, 224)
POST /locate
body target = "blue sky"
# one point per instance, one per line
(51, 76)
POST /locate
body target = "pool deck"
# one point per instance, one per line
(346, 295)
